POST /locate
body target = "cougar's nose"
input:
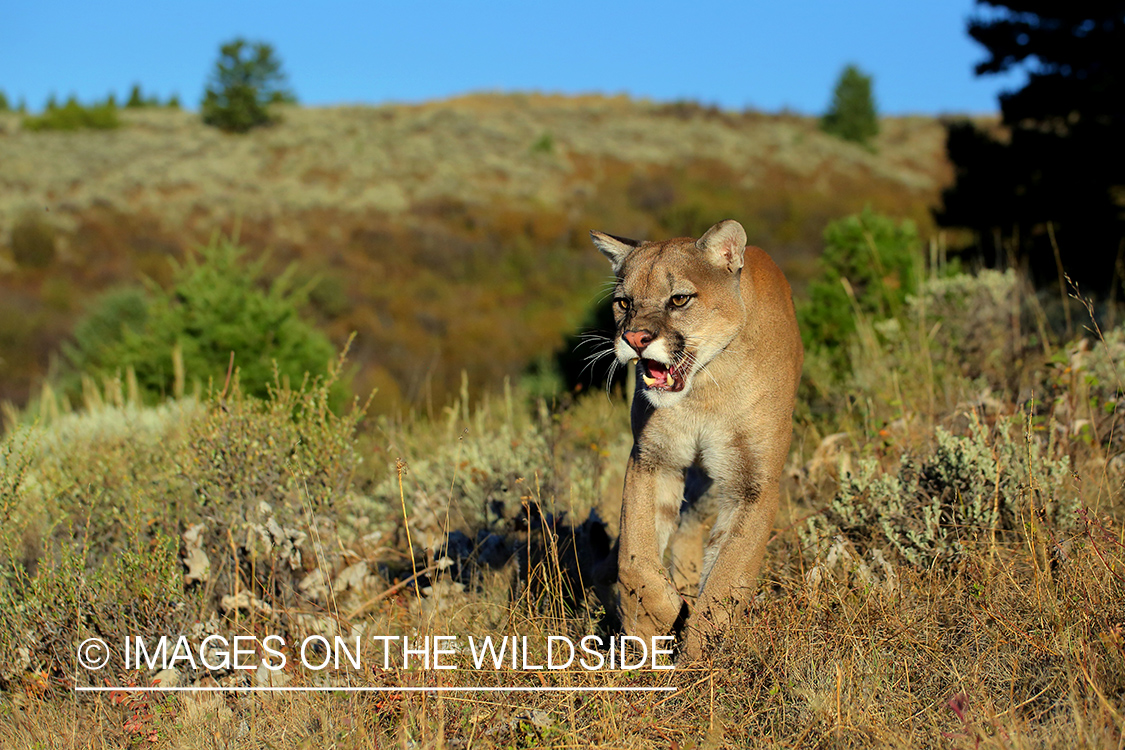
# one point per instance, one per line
(638, 339)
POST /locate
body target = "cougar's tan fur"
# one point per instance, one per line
(711, 328)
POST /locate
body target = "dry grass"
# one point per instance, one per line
(1005, 653)
(1017, 642)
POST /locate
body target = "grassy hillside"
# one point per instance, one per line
(451, 236)
(947, 568)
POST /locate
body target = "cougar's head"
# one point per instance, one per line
(677, 305)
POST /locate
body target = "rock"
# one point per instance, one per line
(441, 596)
(313, 625)
(166, 678)
(247, 601)
(314, 586)
(195, 559)
(266, 677)
(353, 577)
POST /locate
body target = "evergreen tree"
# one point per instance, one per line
(852, 114)
(218, 303)
(136, 100)
(1053, 190)
(247, 79)
(4, 105)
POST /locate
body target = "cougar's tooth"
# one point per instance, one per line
(648, 381)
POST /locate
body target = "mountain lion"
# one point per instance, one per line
(710, 326)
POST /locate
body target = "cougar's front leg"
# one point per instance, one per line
(730, 565)
(650, 510)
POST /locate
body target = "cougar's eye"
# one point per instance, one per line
(679, 300)
(621, 304)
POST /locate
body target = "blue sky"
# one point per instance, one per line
(749, 53)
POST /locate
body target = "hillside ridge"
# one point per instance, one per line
(451, 236)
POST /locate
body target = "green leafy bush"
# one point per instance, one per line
(75, 116)
(851, 115)
(544, 144)
(219, 303)
(247, 79)
(868, 268)
(5, 106)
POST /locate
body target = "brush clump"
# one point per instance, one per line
(936, 508)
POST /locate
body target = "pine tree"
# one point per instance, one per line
(246, 81)
(852, 114)
(1053, 190)
(136, 100)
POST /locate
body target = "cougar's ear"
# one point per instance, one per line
(724, 244)
(614, 248)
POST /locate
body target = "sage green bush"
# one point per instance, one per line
(935, 508)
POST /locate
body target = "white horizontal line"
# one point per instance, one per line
(286, 689)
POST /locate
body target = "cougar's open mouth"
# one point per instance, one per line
(661, 376)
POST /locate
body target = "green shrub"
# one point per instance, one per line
(933, 510)
(75, 116)
(544, 144)
(104, 326)
(33, 242)
(868, 268)
(5, 106)
(475, 477)
(851, 115)
(247, 79)
(218, 304)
